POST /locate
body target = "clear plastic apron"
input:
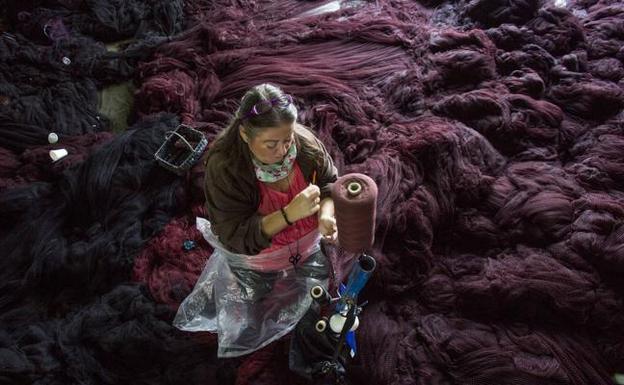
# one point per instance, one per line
(250, 307)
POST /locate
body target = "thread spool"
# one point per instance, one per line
(317, 292)
(337, 321)
(355, 201)
(320, 325)
(320, 295)
(52, 138)
(58, 154)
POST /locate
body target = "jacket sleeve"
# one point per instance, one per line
(232, 213)
(327, 173)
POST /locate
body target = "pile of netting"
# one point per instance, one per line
(494, 130)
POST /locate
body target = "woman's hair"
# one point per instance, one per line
(281, 113)
(229, 141)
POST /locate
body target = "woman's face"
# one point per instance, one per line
(270, 145)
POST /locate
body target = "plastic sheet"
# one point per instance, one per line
(250, 308)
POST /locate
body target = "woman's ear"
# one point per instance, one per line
(243, 135)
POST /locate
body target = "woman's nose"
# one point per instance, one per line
(283, 150)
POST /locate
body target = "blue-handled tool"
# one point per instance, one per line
(344, 320)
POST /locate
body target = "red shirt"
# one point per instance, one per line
(272, 200)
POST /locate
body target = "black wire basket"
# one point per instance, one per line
(182, 149)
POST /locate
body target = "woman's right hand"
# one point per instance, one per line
(304, 204)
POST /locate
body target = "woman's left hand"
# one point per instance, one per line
(327, 227)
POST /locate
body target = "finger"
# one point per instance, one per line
(330, 238)
(328, 226)
(317, 200)
(330, 223)
(311, 187)
(313, 190)
(315, 209)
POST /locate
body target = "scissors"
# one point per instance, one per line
(294, 259)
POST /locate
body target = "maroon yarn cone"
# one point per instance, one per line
(355, 200)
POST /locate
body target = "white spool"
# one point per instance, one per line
(320, 326)
(52, 138)
(58, 154)
(337, 321)
(317, 292)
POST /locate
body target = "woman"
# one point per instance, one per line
(263, 158)
(267, 177)
(267, 187)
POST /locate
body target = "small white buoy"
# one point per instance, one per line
(52, 138)
(58, 154)
(66, 60)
